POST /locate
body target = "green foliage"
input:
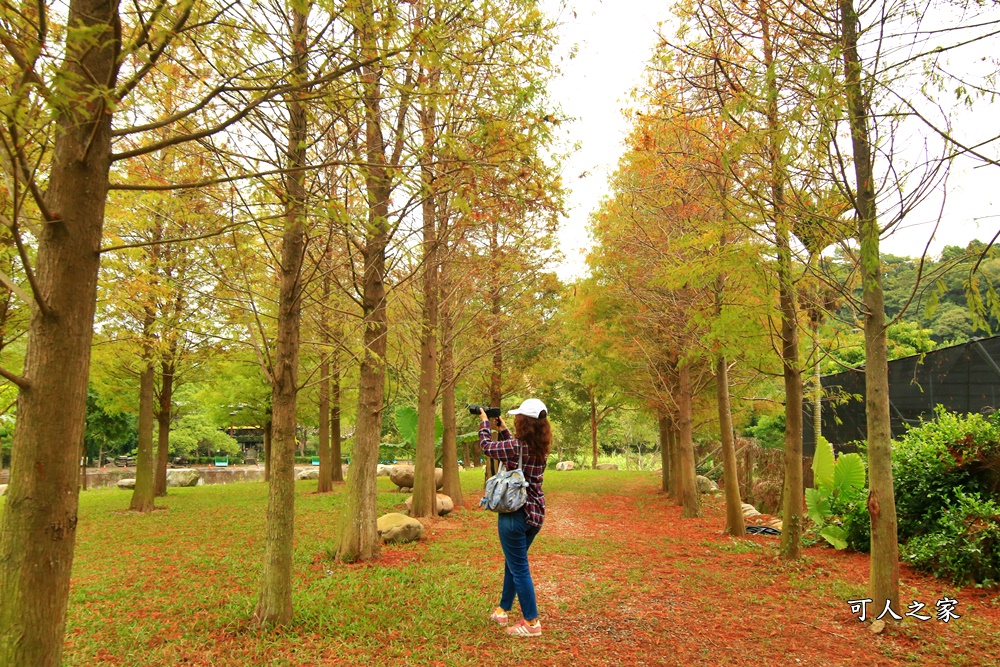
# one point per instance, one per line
(406, 426)
(238, 393)
(938, 460)
(949, 308)
(6, 438)
(964, 545)
(769, 431)
(195, 434)
(953, 308)
(234, 459)
(848, 477)
(838, 488)
(903, 339)
(946, 509)
(947, 522)
(857, 524)
(108, 430)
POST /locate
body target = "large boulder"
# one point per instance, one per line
(383, 470)
(183, 477)
(565, 465)
(402, 476)
(399, 528)
(444, 504)
(308, 473)
(126, 483)
(705, 485)
(606, 466)
(3, 489)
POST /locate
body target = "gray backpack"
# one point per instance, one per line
(506, 491)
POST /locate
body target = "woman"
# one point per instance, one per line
(518, 529)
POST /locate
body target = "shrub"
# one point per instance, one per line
(857, 524)
(234, 459)
(935, 462)
(769, 431)
(965, 544)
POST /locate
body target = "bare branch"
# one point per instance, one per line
(19, 380)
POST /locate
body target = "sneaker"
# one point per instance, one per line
(499, 616)
(522, 629)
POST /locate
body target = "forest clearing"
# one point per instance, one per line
(621, 581)
(303, 246)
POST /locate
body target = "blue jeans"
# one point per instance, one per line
(516, 537)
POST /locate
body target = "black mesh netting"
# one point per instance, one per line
(962, 378)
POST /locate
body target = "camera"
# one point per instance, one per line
(491, 413)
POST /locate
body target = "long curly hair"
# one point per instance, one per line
(535, 433)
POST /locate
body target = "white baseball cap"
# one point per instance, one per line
(532, 407)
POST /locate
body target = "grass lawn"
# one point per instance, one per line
(621, 580)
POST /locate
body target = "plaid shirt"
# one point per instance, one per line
(506, 451)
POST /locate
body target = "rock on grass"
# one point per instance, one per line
(398, 528)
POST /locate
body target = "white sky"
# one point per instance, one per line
(612, 41)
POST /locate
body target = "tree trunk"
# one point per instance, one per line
(792, 491)
(734, 506)
(675, 462)
(336, 458)
(817, 387)
(424, 485)
(274, 603)
(491, 466)
(163, 416)
(881, 501)
(449, 440)
(326, 463)
(143, 494)
(38, 528)
(593, 427)
(359, 538)
(688, 497)
(664, 424)
(325, 484)
(267, 450)
(452, 483)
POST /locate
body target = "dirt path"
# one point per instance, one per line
(624, 581)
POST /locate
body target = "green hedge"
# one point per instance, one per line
(936, 463)
(857, 524)
(207, 460)
(307, 460)
(964, 545)
(945, 484)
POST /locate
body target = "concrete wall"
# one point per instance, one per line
(98, 478)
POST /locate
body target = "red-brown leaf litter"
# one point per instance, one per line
(621, 579)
